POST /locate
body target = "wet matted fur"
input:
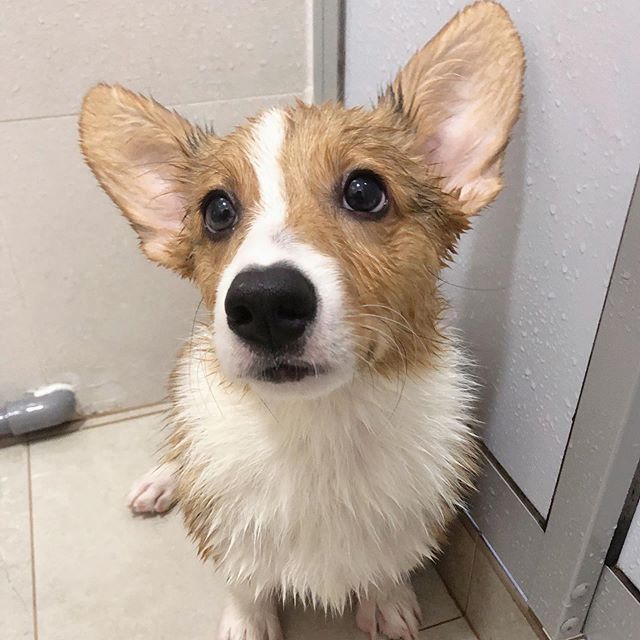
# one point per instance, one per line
(336, 486)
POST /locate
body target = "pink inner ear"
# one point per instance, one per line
(165, 209)
(160, 218)
(461, 146)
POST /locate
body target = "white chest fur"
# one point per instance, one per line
(320, 498)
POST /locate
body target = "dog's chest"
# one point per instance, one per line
(319, 498)
(322, 517)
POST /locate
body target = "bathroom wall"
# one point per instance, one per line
(78, 302)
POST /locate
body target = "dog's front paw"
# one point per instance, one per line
(394, 613)
(154, 492)
(239, 625)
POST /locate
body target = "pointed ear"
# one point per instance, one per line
(461, 96)
(137, 150)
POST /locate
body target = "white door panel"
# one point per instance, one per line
(540, 258)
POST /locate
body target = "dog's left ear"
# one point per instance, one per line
(461, 96)
(137, 150)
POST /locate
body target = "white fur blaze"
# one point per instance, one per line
(260, 247)
(268, 242)
(268, 139)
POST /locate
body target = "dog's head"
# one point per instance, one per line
(316, 233)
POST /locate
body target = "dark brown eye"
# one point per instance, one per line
(219, 212)
(364, 193)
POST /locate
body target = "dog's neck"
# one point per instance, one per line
(440, 393)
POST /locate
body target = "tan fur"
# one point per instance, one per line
(126, 139)
(392, 265)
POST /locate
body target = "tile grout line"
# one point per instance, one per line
(468, 598)
(32, 545)
(473, 566)
(441, 624)
(95, 422)
(455, 602)
(120, 416)
(461, 607)
(177, 105)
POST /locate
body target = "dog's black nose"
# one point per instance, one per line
(270, 307)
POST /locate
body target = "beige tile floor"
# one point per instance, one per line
(75, 565)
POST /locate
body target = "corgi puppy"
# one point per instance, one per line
(319, 437)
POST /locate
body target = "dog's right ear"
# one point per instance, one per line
(460, 97)
(138, 150)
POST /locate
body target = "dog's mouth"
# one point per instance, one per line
(288, 372)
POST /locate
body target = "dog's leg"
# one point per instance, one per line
(154, 492)
(245, 618)
(393, 612)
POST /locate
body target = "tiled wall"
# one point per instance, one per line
(78, 303)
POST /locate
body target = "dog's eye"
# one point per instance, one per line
(219, 212)
(364, 193)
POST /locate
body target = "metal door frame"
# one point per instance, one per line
(557, 564)
(328, 22)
